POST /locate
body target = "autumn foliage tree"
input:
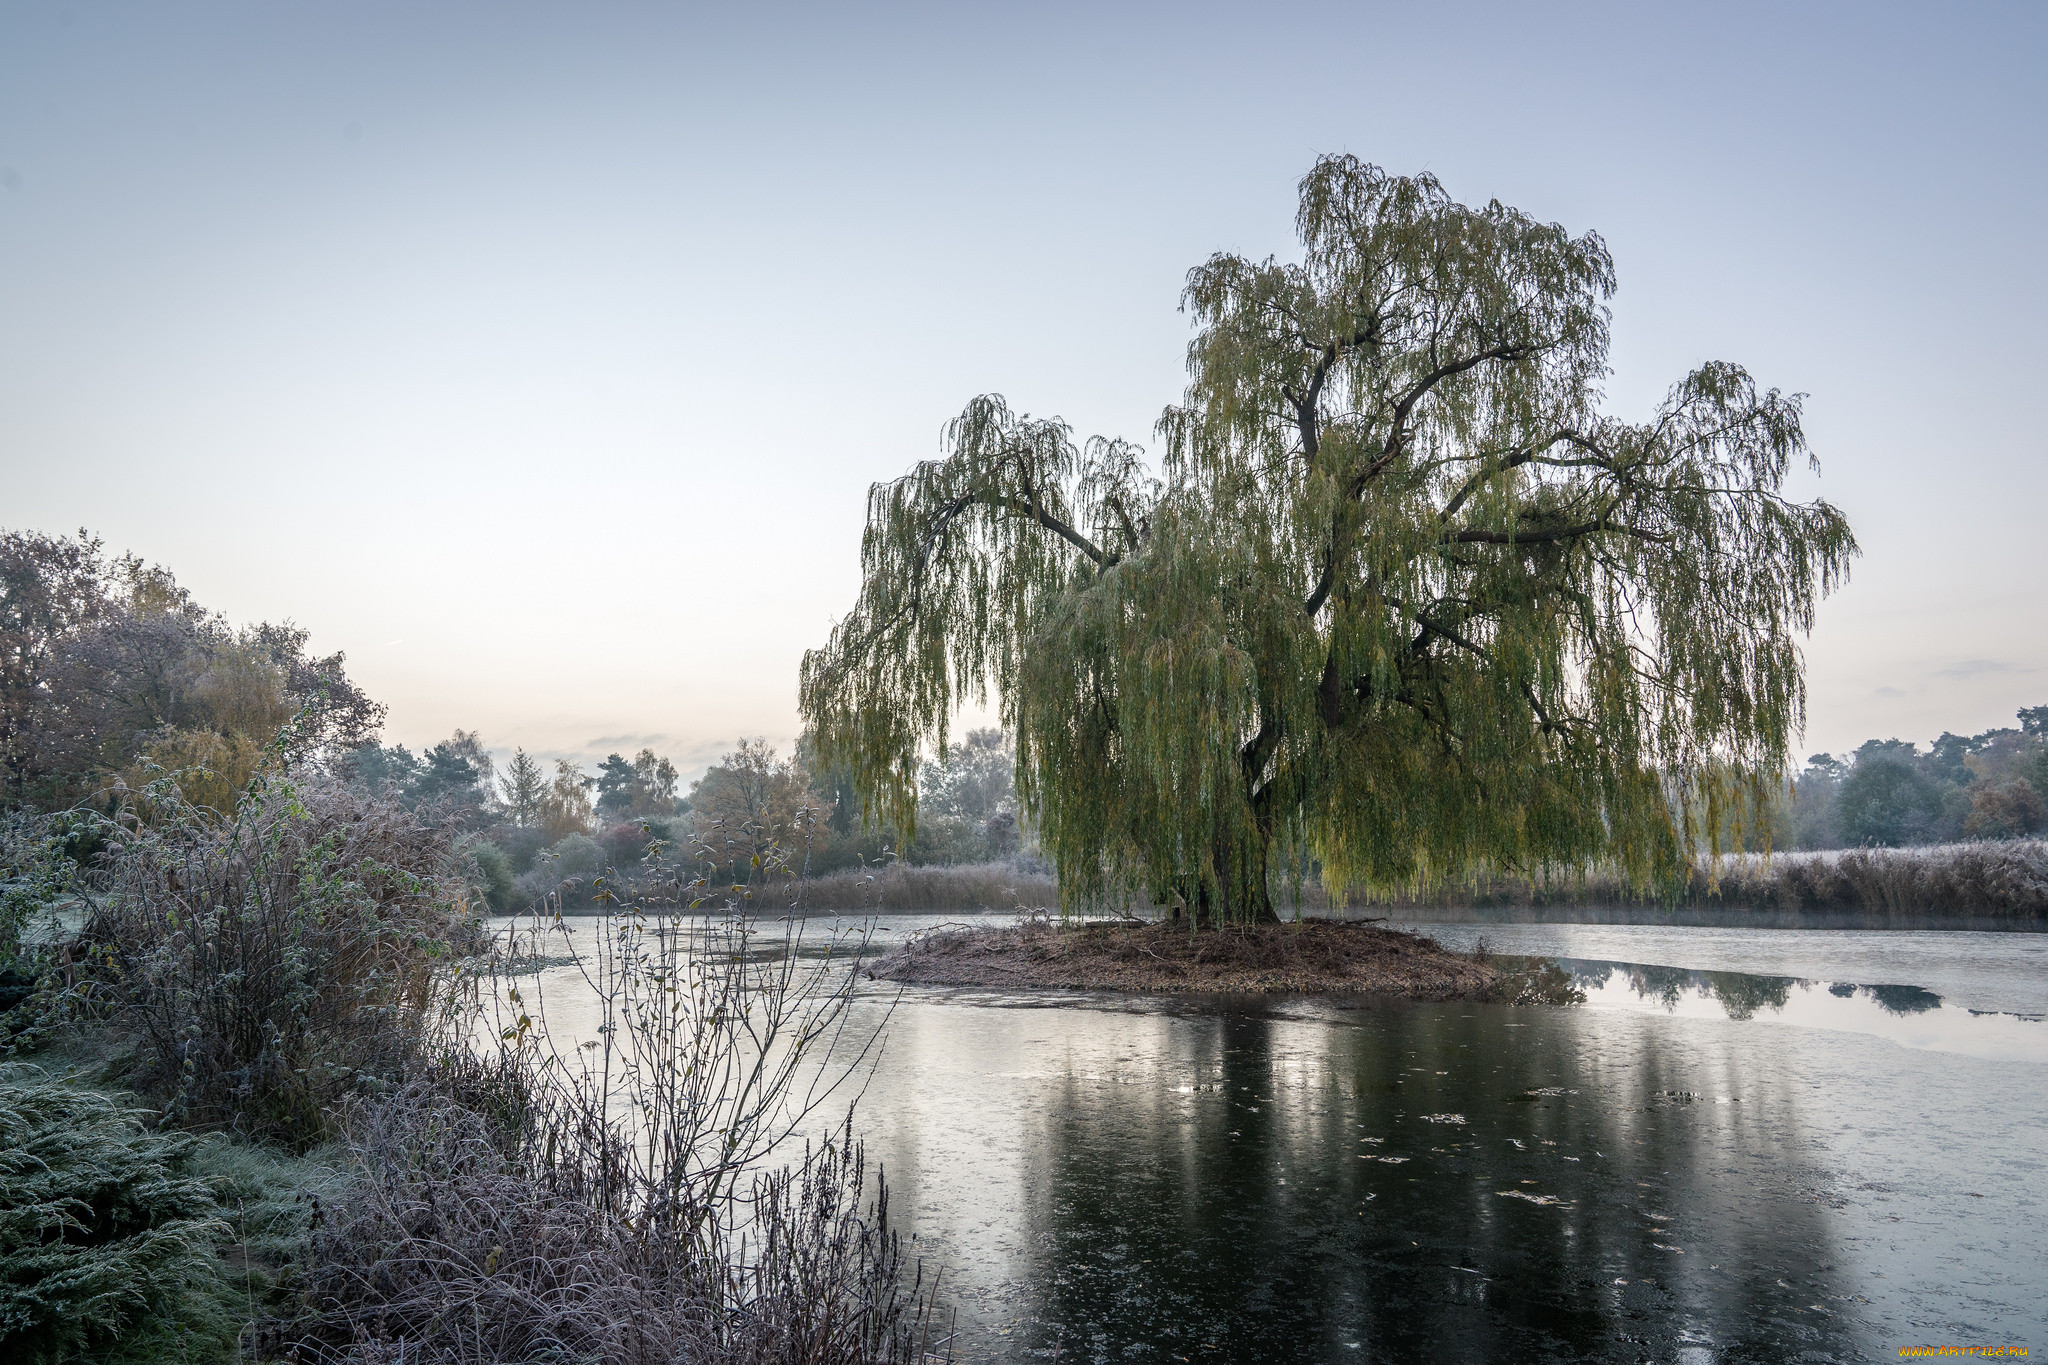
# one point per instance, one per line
(110, 671)
(1401, 599)
(750, 804)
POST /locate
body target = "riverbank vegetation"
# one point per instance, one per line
(271, 1097)
(1997, 881)
(112, 678)
(971, 847)
(1992, 880)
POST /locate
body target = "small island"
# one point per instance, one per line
(1319, 957)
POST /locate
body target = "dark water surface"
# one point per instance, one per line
(1702, 1164)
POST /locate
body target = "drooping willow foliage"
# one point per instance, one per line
(1401, 600)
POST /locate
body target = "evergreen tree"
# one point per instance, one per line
(525, 786)
(447, 778)
(616, 779)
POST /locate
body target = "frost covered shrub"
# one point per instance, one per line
(108, 1239)
(36, 868)
(2002, 878)
(271, 960)
(531, 1202)
(451, 1248)
(567, 871)
(534, 886)
(1999, 879)
(624, 844)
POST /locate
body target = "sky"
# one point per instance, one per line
(539, 356)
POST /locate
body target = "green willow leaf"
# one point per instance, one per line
(1401, 601)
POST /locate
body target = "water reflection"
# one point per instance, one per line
(1669, 1173)
(1896, 999)
(1910, 1015)
(1248, 1187)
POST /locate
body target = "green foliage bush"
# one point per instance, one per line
(35, 870)
(1885, 802)
(578, 855)
(490, 873)
(108, 1236)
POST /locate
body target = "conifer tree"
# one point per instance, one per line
(526, 787)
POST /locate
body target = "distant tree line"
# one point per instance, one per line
(544, 830)
(1889, 793)
(112, 676)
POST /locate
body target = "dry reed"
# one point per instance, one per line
(902, 887)
(1996, 880)
(451, 1248)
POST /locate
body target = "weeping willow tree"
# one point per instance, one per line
(1400, 602)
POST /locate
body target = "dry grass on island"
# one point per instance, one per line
(1319, 957)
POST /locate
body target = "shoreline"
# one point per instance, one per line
(1904, 921)
(1410, 916)
(1990, 886)
(1309, 957)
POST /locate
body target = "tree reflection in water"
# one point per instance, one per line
(1903, 999)
(1443, 1182)
(1740, 994)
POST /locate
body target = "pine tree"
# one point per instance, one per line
(525, 787)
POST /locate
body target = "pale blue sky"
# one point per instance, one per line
(539, 355)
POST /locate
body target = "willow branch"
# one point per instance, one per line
(1032, 512)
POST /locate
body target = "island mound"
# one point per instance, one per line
(1320, 957)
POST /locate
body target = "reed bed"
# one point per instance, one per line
(2005, 879)
(1998, 880)
(902, 888)
(1983, 881)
